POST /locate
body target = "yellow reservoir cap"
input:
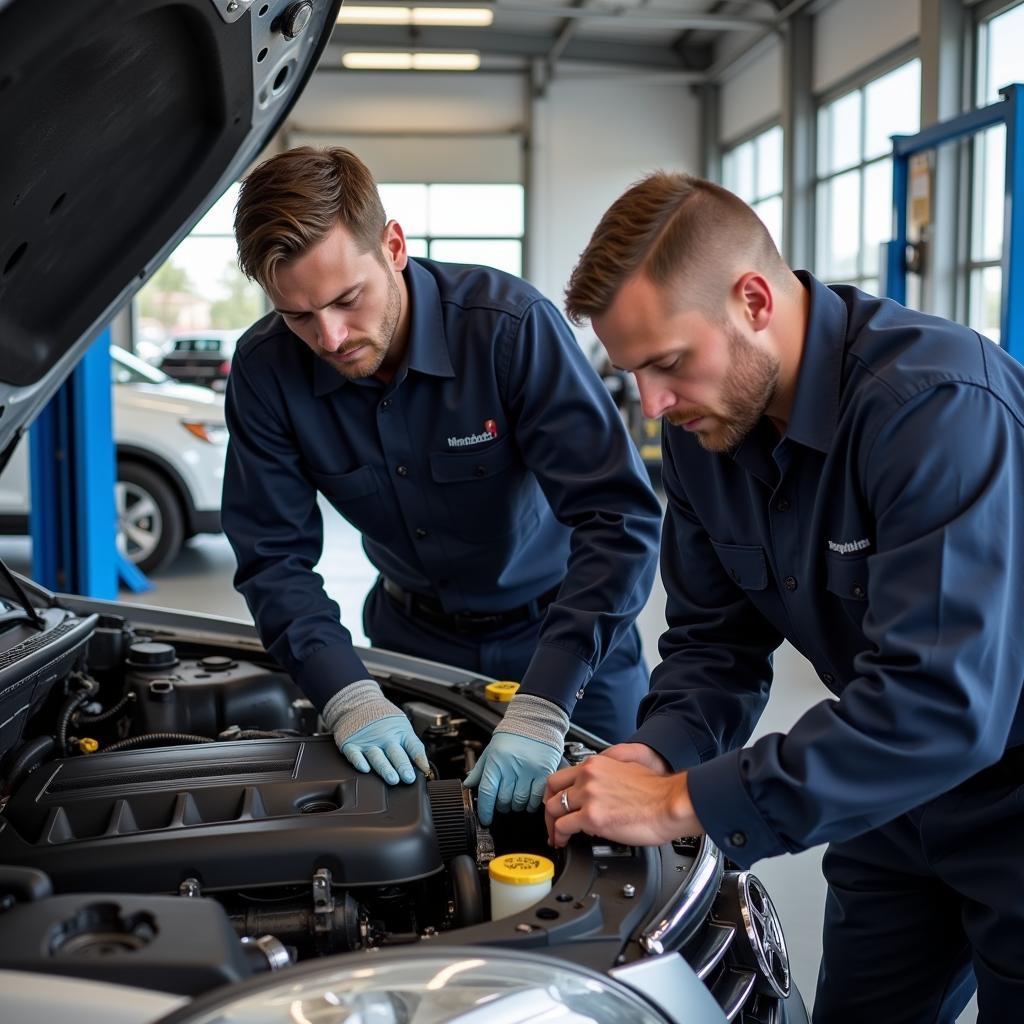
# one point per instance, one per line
(521, 869)
(502, 691)
(87, 745)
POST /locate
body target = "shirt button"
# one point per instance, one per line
(789, 583)
(858, 591)
(479, 471)
(386, 404)
(402, 470)
(782, 505)
(827, 678)
(579, 695)
(420, 532)
(738, 839)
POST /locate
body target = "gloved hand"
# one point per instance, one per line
(374, 733)
(524, 750)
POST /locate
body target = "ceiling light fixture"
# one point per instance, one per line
(396, 60)
(464, 17)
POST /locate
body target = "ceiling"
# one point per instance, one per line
(565, 38)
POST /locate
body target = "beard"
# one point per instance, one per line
(379, 342)
(748, 388)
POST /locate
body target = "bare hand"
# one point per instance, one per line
(620, 800)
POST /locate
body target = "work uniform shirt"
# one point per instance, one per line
(490, 469)
(883, 536)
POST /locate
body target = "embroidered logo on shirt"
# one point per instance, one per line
(490, 434)
(847, 547)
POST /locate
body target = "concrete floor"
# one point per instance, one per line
(200, 580)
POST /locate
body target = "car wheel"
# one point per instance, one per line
(150, 524)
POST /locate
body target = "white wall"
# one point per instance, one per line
(849, 34)
(751, 98)
(592, 140)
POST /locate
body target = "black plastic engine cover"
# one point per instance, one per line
(244, 814)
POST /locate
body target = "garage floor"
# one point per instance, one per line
(200, 580)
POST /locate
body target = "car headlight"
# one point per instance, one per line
(211, 433)
(460, 984)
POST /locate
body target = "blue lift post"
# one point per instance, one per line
(73, 520)
(1009, 111)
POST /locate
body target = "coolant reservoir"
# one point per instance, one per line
(518, 880)
(500, 692)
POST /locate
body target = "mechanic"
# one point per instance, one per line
(847, 474)
(448, 413)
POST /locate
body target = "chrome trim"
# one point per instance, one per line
(706, 872)
(709, 955)
(737, 987)
(764, 930)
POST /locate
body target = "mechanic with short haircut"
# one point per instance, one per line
(448, 413)
(847, 474)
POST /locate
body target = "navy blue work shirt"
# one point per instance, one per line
(883, 536)
(490, 469)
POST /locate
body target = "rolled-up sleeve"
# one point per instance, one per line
(270, 515)
(938, 684)
(574, 441)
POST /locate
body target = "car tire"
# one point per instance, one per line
(150, 523)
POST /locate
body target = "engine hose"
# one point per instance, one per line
(469, 896)
(160, 738)
(258, 734)
(127, 699)
(31, 755)
(71, 705)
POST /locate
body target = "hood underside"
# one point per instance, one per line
(126, 120)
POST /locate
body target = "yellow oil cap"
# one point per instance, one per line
(87, 745)
(521, 869)
(502, 691)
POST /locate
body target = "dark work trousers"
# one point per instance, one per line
(608, 707)
(924, 908)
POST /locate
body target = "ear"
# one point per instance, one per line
(393, 246)
(756, 299)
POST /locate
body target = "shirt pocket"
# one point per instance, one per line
(846, 577)
(481, 492)
(356, 495)
(744, 564)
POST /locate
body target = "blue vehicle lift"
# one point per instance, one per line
(73, 521)
(1010, 112)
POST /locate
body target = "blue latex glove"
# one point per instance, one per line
(372, 733)
(524, 750)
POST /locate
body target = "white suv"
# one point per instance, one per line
(170, 440)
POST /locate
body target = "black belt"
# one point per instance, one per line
(422, 606)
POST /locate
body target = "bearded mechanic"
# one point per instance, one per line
(847, 474)
(449, 414)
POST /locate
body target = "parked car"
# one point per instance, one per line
(179, 840)
(170, 441)
(203, 357)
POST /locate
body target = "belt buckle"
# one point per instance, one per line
(475, 622)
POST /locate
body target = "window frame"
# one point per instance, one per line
(749, 137)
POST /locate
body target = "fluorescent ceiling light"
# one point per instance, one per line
(394, 60)
(466, 17)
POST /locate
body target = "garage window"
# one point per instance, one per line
(854, 177)
(1000, 43)
(460, 223)
(199, 287)
(753, 170)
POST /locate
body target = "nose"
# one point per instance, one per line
(332, 331)
(655, 399)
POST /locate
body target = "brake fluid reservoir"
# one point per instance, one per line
(518, 880)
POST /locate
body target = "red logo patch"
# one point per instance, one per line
(491, 427)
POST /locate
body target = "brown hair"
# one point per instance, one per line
(668, 226)
(291, 202)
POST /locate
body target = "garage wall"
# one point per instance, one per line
(589, 141)
(752, 98)
(850, 34)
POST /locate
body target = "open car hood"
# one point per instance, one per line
(125, 121)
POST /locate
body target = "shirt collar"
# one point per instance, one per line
(816, 404)
(427, 351)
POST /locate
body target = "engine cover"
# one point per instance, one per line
(236, 815)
